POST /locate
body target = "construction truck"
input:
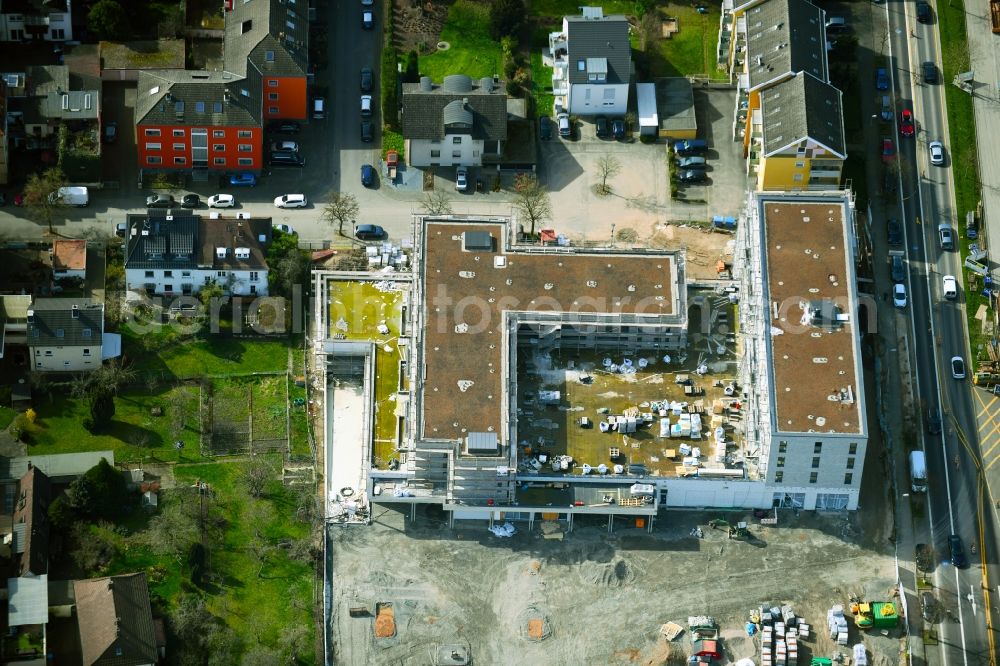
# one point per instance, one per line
(875, 614)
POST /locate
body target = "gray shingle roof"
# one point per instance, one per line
(785, 37)
(114, 616)
(72, 105)
(602, 38)
(197, 97)
(429, 110)
(45, 79)
(189, 241)
(803, 107)
(269, 34)
(55, 322)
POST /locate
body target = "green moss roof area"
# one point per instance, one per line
(357, 309)
(159, 53)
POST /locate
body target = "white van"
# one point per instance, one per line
(950, 285)
(918, 472)
(319, 108)
(70, 196)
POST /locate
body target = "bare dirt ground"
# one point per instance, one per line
(595, 598)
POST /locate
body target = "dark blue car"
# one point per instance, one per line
(243, 180)
(956, 552)
(882, 78)
(367, 175)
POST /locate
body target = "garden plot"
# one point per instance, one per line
(247, 413)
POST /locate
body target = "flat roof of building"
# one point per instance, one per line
(468, 293)
(809, 265)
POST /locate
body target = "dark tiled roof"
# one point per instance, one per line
(268, 35)
(185, 97)
(785, 37)
(32, 510)
(605, 37)
(114, 616)
(231, 233)
(190, 241)
(55, 322)
(45, 79)
(800, 108)
(72, 105)
(424, 111)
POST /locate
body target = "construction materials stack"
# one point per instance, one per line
(860, 655)
(780, 632)
(838, 624)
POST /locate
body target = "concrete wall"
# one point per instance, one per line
(591, 100)
(66, 359)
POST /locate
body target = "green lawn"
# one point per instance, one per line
(691, 50)
(473, 52)
(209, 354)
(135, 433)
(300, 425)
(559, 8)
(541, 85)
(6, 416)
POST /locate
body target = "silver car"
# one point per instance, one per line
(937, 153)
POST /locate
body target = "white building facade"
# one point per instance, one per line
(592, 64)
(36, 21)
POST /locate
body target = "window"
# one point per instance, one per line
(216, 107)
(246, 148)
(58, 33)
(247, 26)
(178, 132)
(813, 476)
(850, 463)
(581, 65)
(179, 146)
(800, 165)
(167, 274)
(149, 274)
(848, 479)
(244, 92)
(185, 273)
(290, 24)
(797, 177)
(269, 56)
(253, 276)
(219, 274)
(779, 477)
(272, 83)
(219, 147)
(154, 160)
(435, 153)
(219, 161)
(199, 107)
(781, 461)
(253, 289)
(456, 154)
(245, 134)
(815, 464)
(153, 146)
(48, 353)
(782, 447)
(208, 279)
(60, 333)
(168, 288)
(86, 351)
(85, 333)
(152, 132)
(818, 448)
(180, 160)
(272, 96)
(273, 110)
(219, 134)
(245, 161)
(852, 449)
(456, 139)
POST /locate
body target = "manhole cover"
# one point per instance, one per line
(443, 46)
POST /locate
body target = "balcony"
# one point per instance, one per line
(558, 46)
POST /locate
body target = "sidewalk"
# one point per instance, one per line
(986, 101)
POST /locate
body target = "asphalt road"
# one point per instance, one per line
(955, 501)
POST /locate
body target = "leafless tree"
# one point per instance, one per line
(255, 473)
(608, 166)
(341, 208)
(436, 202)
(531, 200)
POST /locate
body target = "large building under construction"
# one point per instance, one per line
(499, 378)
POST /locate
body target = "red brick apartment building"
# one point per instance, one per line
(213, 121)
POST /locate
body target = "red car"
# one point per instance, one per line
(906, 127)
(888, 150)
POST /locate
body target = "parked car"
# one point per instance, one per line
(110, 132)
(369, 232)
(545, 128)
(243, 180)
(949, 287)
(565, 128)
(889, 181)
(367, 131)
(366, 79)
(906, 126)
(367, 20)
(836, 24)
(894, 232)
(923, 11)
(937, 152)
(882, 78)
(886, 112)
(601, 127)
(284, 158)
(160, 201)
(928, 607)
(191, 201)
(888, 149)
(690, 147)
(947, 236)
(121, 229)
(958, 367)
(899, 295)
(691, 163)
(367, 175)
(934, 421)
(367, 3)
(691, 176)
(284, 147)
(283, 127)
(956, 552)
(284, 228)
(618, 128)
(462, 178)
(291, 201)
(930, 71)
(319, 108)
(221, 201)
(366, 105)
(897, 269)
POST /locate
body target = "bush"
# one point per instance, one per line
(509, 68)
(506, 17)
(390, 85)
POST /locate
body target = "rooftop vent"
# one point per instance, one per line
(482, 443)
(457, 83)
(477, 241)
(823, 314)
(425, 84)
(76, 312)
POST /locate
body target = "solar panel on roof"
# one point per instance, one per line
(156, 244)
(181, 243)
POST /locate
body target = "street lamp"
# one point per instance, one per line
(612, 234)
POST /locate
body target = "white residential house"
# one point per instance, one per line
(36, 20)
(592, 64)
(177, 253)
(461, 122)
(65, 334)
